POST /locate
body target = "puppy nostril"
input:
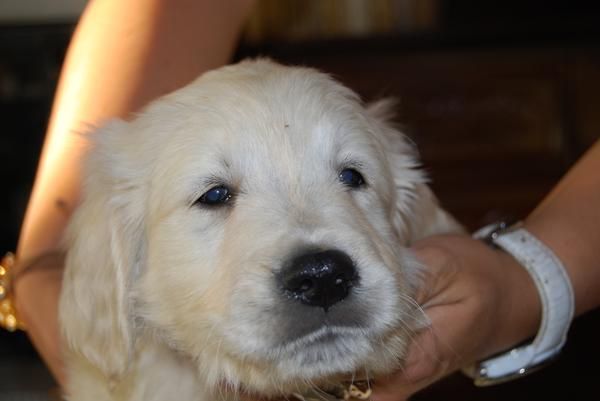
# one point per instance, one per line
(305, 285)
(319, 279)
(299, 285)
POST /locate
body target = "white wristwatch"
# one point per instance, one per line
(556, 294)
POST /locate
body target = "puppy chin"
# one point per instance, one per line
(331, 355)
(320, 360)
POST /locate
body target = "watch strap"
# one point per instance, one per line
(557, 300)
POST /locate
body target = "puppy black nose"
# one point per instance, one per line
(319, 279)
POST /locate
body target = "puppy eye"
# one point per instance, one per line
(216, 196)
(351, 178)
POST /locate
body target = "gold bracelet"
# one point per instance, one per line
(8, 314)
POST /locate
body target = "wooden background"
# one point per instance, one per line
(501, 97)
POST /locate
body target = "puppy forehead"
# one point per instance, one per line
(279, 106)
(281, 119)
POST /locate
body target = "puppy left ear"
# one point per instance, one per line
(417, 212)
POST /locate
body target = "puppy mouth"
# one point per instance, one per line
(330, 349)
(323, 337)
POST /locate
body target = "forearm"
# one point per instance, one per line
(123, 54)
(568, 221)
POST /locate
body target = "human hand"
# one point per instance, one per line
(480, 301)
(37, 291)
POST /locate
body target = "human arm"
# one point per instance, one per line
(123, 54)
(481, 301)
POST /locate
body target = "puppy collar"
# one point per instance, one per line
(346, 391)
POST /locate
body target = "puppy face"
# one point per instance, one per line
(261, 217)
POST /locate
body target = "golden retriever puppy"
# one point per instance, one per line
(248, 232)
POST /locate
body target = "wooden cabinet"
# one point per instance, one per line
(584, 91)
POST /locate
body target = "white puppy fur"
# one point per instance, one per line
(168, 297)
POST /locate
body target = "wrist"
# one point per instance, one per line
(29, 279)
(37, 292)
(521, 313)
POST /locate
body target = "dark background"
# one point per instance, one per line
(501, 97)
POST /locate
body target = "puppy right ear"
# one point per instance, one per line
(103, 242)
(417, 212)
